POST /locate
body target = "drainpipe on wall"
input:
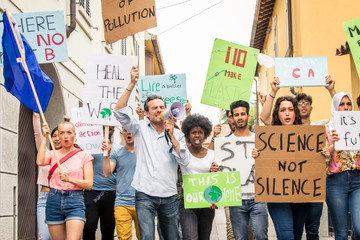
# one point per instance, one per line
(71, 28)
(290, 31)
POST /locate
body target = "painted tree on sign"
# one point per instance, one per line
(173, 78)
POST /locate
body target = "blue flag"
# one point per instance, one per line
(16, 79)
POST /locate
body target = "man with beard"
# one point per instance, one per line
(312, 222)
(158, 149)
(250, 210)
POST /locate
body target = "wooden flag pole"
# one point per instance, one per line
(221, 113)
(32, 85)
(133, 50)
(106, 137)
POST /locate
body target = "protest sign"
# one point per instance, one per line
(88, 136)
(172, 88)
(347, 125)
(230, 74)
(301, 71)
(107, 77)
(352, 32)
(221, 188)
(127, 17)
(45, 32)
(290, 167)
(234, 154)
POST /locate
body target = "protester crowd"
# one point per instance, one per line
(138, 181)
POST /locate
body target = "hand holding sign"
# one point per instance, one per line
(134, 73)
(107, 78)
(347, 133)
(290, 167)
(301, 71)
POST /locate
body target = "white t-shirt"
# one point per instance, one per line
(199, 165)
(248, 170)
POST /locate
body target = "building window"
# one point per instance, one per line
(85, 4)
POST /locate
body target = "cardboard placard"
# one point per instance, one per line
(230, 74)
(127, 17)
(107, 77)
(221, 188)
(352, 32)
(234, 154)
(301, 71)
(171, 87)
(347, 125)
(88, 136)
(45, 32)
(290, 167)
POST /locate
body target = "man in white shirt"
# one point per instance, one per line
(256, 212)
(158, 148)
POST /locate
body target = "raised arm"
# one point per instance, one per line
(216, 132)
(108, 166)
(140, 112)
(37, 129)
(331, 86)
(43, 158)
(265, 114)
(124, 98)
(188, 108)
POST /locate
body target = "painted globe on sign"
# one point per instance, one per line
(212, 194)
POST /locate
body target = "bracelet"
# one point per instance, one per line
(128, 89)
(271, 95)
(212, 139)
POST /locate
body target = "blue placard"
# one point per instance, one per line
(171, 87)
(301, 71)
(45, 32)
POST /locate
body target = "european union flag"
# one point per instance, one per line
(16, 79)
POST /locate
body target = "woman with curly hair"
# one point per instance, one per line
(197, 223)
(288, 218)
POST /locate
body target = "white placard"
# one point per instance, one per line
(347, 125)
(88, 136)
(107, 77)
(234, 154)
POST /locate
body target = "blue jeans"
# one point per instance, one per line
(240, 216)
(168, 216)
(196, 224)
(289, 219)
(62, 206)
(312, 222)
(342, 193)
(43, 229)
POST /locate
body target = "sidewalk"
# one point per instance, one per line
(219, 228)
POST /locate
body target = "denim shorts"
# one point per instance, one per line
(62, 206)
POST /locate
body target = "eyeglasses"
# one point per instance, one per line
(303, 103)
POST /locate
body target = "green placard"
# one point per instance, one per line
(352, 32)
(230, 75)
(221, 188)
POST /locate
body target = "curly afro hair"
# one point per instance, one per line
(196, 120)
